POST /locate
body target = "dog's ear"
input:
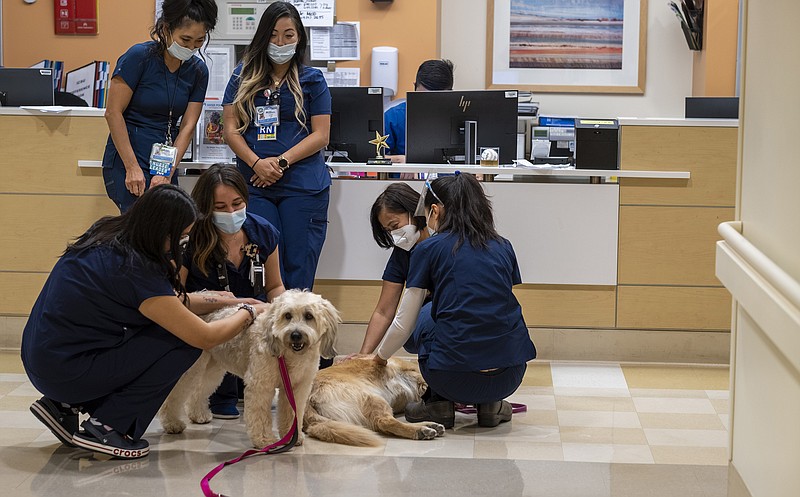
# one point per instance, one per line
(261, 330)
(330, 319)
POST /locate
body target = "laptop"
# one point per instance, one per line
(25, 86)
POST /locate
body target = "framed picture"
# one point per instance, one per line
(581, 46)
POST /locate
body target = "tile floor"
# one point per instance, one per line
(592, 429)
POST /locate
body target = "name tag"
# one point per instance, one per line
(162, 159)
(267, 115)
(267, 133)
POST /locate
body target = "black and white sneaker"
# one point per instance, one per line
(60, 418)
(98, 437)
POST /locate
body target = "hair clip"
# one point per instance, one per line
(457, 172)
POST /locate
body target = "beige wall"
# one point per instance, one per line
(766, 386)
(714, 71)
(28, 33)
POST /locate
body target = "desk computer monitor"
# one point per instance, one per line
(435, 124)
(356, 114)
(28, 86)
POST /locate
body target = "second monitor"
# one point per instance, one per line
(435, 125)
(356, 114)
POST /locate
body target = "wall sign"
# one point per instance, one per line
(75, 17)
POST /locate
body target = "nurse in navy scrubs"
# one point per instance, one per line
(113, 329)
(477, 349)
(154, 84)
(394, 226)
(277, 121)
(232, 251)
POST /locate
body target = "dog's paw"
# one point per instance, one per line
(173, 426)
(200, 416)
(260, 441)
(436, 426)
(425, 433)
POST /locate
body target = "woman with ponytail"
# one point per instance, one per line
(476, 349)
(277, 121)
(154, 85)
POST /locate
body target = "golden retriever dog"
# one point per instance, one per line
(355, 396)
(300, 326)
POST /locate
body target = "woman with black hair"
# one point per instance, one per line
(277, 122)
(394, 226)
(233, 254)
(154, 85)
(432, 75)
(477, 349)
(112, 330)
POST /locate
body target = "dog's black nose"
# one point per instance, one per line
(295, 336)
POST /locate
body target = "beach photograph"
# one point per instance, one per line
(566, 34)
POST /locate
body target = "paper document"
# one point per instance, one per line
(340, 42)
(219, 59)
(314, 12)
(343, 76)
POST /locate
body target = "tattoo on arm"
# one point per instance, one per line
(210, 300)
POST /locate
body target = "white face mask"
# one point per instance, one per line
(281, 54)
(405, 237)
(180, 52)
(431, 231)
(230, 222)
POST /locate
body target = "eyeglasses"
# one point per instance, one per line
(427, 187)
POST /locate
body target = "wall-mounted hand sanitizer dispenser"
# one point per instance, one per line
(384, 69)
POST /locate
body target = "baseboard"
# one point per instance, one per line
(667, 346)
(736, 485)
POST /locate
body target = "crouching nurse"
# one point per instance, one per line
(477, 348)
(112, 330)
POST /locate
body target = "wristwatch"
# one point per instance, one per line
(249, 308)
(283, 163)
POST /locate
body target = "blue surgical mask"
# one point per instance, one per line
(281, 54)
(230, 222)
(180, 52)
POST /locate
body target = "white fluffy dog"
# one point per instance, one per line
(300, 326)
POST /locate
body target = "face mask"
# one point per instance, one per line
(281, 55)
(230, 222)
(405, 237)
(431, 231)
(180, 52)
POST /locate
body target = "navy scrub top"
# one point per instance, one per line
(146, 117)
(396, 270)
(258, 231)
(89, 302)
(479, 322)
(308, 175)
(394, 125)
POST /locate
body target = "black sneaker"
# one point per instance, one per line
(61, 420)
(494, 413)
(224, 412)
(440, 411)
(100, 438)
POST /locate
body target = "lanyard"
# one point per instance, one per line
(172, 101)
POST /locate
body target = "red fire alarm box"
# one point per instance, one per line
(75, 17)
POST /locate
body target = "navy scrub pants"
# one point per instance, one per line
(123, 387)
(303, 223)
(114, 178)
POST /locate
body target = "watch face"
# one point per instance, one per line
(283, 163)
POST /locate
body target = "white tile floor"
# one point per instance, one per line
(585, 434)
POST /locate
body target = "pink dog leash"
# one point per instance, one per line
(282, 445)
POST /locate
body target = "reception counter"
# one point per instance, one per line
(619, 269)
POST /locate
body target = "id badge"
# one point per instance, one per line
(267, 115)
(162, 158)
(267, 133)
